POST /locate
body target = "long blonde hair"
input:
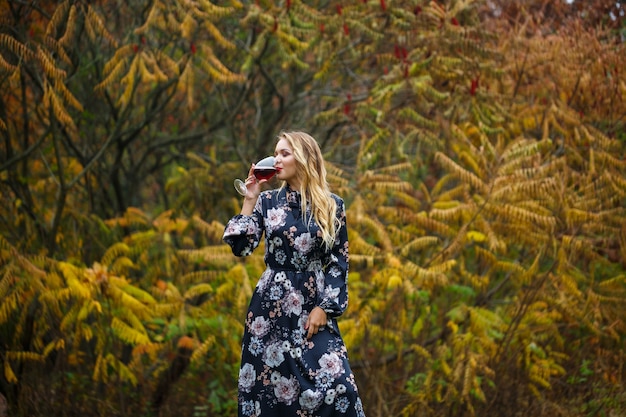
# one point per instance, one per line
(314, 189)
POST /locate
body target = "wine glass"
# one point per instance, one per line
(263, 170)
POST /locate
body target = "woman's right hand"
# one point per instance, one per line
(253, 185)
(253, 189)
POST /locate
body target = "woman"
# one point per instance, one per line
(294, 361)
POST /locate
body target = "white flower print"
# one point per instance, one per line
(280, 276)
(274, 243)
(256, 346)
(280, 257)
(299, 261)
(319, 280)
(330, 396)
(264, 280)
(273, 355)
(359, 408)
(335, 272)
(292, 303)
(247, 377)
(275, 292)
(275, 377)
(301, 322)
(275, 218)
(233, 229)
(260, 326)
(310, 400)
(331, 293)
(295, 352)
(316, 267)
(248, 409)
(304, 243)
(331, 363)
(253, 228)
(287, 390)
(297, 335)
(341, 389)
(324, 380)
(342, 404)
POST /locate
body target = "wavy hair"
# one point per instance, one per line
(311, 173)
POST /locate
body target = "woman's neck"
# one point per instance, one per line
(294, 185)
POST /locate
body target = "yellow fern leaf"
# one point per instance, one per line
(216, 69)
(48, 65)
(57, 18)
(116, 250)
(15, 46)
(58, 49)
(72, 274)
(127, 333)
(461, 172)
(70, 25)
(419, 244)
(126, 374)
(99, 367)
(217, 36)
(186, 83)
(197, 290)
(188, 26)
(198, 276)
(94, 22)
(58, 109)
(23, 356)
(130, 81)
(144, 74)
(113, 75)
(202, 349)
(9, 374)
(421, 351)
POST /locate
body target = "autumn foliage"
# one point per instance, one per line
(479, 146)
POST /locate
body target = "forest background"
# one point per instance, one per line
(479, 146)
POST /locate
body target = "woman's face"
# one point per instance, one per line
(286, 163)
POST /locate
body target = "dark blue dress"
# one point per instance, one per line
(282, 372)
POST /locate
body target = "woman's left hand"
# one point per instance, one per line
(317, 319)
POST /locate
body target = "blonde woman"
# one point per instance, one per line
(294, 361)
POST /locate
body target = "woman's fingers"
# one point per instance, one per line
(316, 320)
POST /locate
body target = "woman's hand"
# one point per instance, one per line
(253, 185)
(317, 318)
(253, 189)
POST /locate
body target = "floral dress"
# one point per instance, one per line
(282, 372)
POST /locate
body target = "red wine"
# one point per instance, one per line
(264, 173)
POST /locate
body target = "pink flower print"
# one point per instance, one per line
(310, 400)
(247, 377)
(274, 355)
(260, 326)
(287, 390)
(292, 303)
(304, 243)
(275, 218)
(331, 363)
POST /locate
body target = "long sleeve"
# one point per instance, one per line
(243, 233)
(334, 298)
